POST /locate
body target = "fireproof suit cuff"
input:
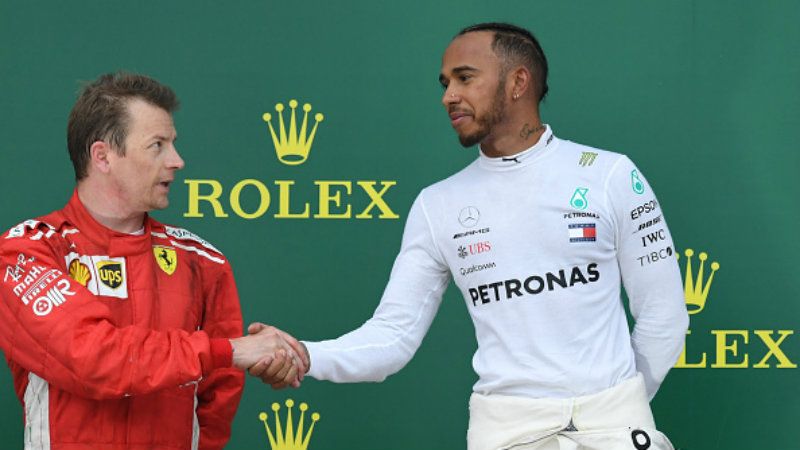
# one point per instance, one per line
(221, 353)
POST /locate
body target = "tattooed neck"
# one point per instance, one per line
(527, 131)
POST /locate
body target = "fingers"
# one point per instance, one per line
(255, 327)
(298, 349)
(260, 367)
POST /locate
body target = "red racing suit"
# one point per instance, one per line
(118, 341)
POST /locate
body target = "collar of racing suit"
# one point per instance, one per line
(546, 144)
(115, 243)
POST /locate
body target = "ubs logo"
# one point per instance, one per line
(469, 217)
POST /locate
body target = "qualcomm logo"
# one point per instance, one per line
(289, 436)
(731, 349)
(252, 198)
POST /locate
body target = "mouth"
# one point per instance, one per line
(458, 117)
(165, 184)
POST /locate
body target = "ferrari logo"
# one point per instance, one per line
(166, 258)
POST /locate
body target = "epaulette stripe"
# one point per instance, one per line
(199, 252)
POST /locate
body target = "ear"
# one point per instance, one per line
(520, 81)
(99, 154)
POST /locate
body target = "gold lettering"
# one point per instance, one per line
(263, 203)
(774, 349)
(377, 200)
(682, 364)
(284, 202)
(325, 199)
(195, 197)
(723, 347)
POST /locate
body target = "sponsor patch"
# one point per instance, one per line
(587, 159)
(643, 209)
(476, 268)
(181, 233)
(636, 183)
(582, 232)
(470, 233)
(578, 200)
(54, 297)
(79, 272)
(90, 269)
(474, 249)
(36, 281)
(166, 257)
(655, 256)
(469, 217)
(110, 273)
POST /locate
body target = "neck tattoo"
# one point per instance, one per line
(527, 131)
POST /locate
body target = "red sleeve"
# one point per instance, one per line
(219, 392)
(54, 327)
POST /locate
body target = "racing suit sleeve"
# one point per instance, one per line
(387, 341)
(54, 327)
(218, 393)
(650, 274)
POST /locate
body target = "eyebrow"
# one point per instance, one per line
(458, 70)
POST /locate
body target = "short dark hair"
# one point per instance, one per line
(101, 113)
(516, 45)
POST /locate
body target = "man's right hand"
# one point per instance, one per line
(272, 355)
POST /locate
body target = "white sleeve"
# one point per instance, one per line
(387, 341)
(650, 274)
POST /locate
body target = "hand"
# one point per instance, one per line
(271, 355)
(298, 347)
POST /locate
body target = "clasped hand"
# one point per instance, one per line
(272, 355)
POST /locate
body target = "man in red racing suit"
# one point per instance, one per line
(122, 332)
(132, 380)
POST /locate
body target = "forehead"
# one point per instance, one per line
(144, 117)
(472, 49)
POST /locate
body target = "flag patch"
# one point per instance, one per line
(582, 232)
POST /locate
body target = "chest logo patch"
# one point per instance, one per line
(166, 258)
(636, 183)
(79, 272)
(110, 273)
(578, 200)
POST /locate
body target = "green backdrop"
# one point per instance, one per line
(704, 97)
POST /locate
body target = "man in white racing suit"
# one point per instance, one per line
(538, 233)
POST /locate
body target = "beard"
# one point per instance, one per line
(486, 122)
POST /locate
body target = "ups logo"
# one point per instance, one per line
(110, 273)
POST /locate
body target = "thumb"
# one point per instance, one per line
(255, 327)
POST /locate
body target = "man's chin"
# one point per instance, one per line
(469, 140)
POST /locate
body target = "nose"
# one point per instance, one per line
(174, 160)
(450, 96)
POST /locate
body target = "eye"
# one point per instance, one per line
(464, 78)
(157, 145)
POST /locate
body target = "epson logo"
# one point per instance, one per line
(637, 212)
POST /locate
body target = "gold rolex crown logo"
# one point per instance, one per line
(292, 147)
(289, 437)
(694, 290)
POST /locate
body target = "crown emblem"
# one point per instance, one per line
(289, 438)
(695, 292)
(292, 148)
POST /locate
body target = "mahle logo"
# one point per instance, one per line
(292, 147)
(289, 436)
(729, 351)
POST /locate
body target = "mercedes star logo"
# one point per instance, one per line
(469, 216)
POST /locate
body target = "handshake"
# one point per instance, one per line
(272, 355)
